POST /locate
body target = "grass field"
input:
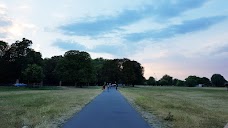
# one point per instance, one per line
(188, 107)
(42, 107)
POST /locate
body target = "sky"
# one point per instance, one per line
(175, 37)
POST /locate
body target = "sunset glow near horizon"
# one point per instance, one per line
(174, 37)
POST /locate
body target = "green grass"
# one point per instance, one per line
(42, 107)
(190, 107)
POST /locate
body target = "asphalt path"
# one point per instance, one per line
(108, 110)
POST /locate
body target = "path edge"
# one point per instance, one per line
(138, 109)
(156, 123)
(74, 114)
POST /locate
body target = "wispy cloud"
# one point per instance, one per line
(3, 35)
(2, 9)
(173, 30)
(5, 22)
(68, 45)
(223, 49)
(103, 24)
(100, 25)
(117, 50)
(171, 8)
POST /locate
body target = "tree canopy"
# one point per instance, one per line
(20, 61)
(166, 80)
(16, 58)
(192, 81)
(33, 73)
(151, 81)
(218, 80)
(75, 67)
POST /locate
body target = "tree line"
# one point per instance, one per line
(217, 80)
(22, 63)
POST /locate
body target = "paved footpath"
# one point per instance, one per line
(108, 110)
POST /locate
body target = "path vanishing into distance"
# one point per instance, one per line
(108, 110)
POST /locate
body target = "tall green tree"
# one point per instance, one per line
(129, 75)
(166, 80)
(205, 81)
(133, 73)
(192, 81)
(33, 57)
(110, 71)
(14, 60)
(151, 81)
(18, 50)
(75, 67)
(3, 48)
(98, 64)
(139, 72)
(50, 70)
(179, 83)
(33, 73)
(175, 81)
(218, 80)
(3, 65)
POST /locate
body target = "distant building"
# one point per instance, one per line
(226, 84)
(199, 85)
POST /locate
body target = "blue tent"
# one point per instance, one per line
(20, 85)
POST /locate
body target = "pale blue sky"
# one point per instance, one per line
(174, 37)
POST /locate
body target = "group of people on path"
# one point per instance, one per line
(109, 86)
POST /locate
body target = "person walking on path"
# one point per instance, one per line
(116, 86)
(103, 87)
(108, 87)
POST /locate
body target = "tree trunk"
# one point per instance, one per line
(60, 83)
(17, 81)
(41, 83)
(75, 84)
